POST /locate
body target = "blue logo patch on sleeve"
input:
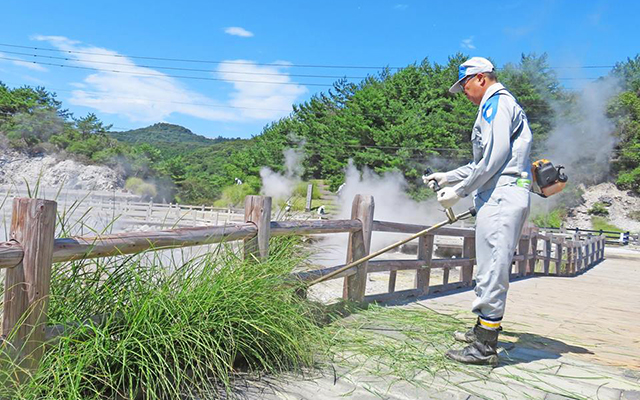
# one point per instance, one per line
(490, 109)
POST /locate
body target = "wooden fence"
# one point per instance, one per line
(29, 255)
(612, 237)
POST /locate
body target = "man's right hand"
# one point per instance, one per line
(440, 177)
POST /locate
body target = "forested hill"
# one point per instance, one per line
(165, 133)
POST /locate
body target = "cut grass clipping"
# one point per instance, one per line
(142, 327)
(393, 349)
(391, 341)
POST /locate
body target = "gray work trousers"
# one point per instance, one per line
(502, 212)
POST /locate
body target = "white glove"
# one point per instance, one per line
(447, 197)
(440, 177)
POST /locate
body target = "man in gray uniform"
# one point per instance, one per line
(500, 179)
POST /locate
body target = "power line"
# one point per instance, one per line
(246, 63)
(164, 75)
(185, 69)
(194, 60)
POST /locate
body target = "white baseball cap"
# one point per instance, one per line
(472, 66)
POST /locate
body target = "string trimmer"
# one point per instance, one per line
(451, 218)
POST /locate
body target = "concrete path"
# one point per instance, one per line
(564, 338)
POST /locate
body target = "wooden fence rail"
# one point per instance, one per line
(29, 255)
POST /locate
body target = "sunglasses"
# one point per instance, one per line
(465, 80)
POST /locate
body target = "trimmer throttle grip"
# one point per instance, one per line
(429, 171)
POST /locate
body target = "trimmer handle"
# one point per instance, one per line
(429, 171)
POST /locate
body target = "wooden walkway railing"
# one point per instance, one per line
(29, 255)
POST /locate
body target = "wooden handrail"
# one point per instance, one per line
(34, 250)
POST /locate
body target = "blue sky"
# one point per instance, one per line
(93, 39)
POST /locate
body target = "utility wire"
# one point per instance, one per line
(183, 69)
(194, 60)
(164, 75)
(244, 63)
(198, 77)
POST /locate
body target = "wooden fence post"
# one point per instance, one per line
(587, 254)
(257, 209)
(359, 246)
(533, 233)
(468, 251)
(570, 256)
(26, 294)
(425, 253)
(523, 250)
(547, 254)
(559, 256)
(579, 259)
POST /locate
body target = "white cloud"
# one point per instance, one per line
(155, 98)
(260, 100)
(468, 43)
(26, 64)
(238, 31)
(401, 7)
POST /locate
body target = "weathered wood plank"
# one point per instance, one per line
(425, 257)
(468, 251)
(398, 227)
(359, 246)
(547, 256)
(523, 251)
(534, 250)
(282, 228)
(26, 295)
(559, 250)
(76, 248)
(257, 210)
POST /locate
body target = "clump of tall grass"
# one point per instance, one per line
(136, 328)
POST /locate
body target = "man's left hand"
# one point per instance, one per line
(447, 197)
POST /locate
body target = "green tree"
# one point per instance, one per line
(91, 125)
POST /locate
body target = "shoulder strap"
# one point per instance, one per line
(516, 132)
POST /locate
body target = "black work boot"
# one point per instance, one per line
(468, 336)
(465, 337)
(483, 350)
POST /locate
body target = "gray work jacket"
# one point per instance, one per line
(501, 141)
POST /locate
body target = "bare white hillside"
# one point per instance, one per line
(621, 203)
(16, 168)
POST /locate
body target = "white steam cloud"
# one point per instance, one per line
(582, 139)
(392, 203)
(281, 185)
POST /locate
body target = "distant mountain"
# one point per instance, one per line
(164, 134)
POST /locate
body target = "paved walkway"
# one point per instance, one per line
(564, 338)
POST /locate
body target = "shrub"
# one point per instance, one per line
(600, 223)
(598, 208)
(140, 187)
(301, 190)
(630, 180)
(233, 195)
(552, 219)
